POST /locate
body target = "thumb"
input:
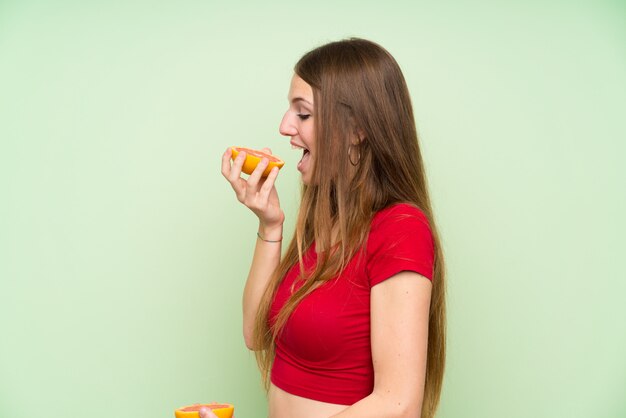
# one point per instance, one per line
(207, 413)
(269, 151)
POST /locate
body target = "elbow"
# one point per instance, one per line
(406, 410)
(249, 342)
(248, 337)
(402, 406)
(409, 407)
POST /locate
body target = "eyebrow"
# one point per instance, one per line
(299, 99)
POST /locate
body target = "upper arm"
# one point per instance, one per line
(399, 332)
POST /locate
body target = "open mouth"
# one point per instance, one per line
(306, 156)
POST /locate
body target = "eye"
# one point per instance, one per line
(303, 116)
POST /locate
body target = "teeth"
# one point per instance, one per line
(296, 147)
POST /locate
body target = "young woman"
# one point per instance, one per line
(350, 321)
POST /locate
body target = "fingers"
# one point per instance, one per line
(254, 178)
(226, 162)
(206, 413)
(254, 192)
(267, 186)
(232, 172)
(258, 190)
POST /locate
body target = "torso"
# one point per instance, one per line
(285, 405)
(324, 353)
(323, 359)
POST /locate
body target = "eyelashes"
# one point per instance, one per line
(303, 116)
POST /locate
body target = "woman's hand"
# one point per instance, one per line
(257, 193)
(207, 413)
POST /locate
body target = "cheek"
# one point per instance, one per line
(310, 137)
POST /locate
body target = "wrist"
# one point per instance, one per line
(273, 241)
(270, 233)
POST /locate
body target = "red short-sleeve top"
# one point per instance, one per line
(324, 350)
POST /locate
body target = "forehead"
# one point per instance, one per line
(300, 89)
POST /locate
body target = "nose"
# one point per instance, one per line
(286, 127)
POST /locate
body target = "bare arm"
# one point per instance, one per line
(399, 320)
(260, 196)
(264, 262)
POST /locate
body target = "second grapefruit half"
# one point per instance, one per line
(222, 410)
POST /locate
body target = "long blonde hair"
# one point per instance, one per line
(367, 157)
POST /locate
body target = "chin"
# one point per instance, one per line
(306, 180)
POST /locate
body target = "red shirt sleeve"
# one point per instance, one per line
(400, 239)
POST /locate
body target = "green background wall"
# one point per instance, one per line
(123, 251)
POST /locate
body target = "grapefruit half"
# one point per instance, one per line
(253, 158)
(222, 410)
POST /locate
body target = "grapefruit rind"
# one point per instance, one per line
(223, 410)
(253, 160)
